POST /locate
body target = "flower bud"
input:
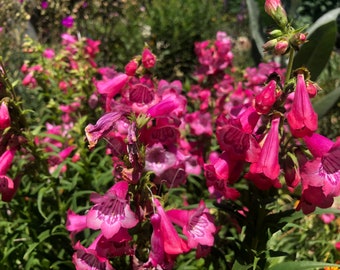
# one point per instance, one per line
(148, 59)
(269, 45)
(131, 67)
(298, 39)
(275, 33)
(275, 10)
(281, 47)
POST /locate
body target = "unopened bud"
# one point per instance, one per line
(269, 45)
(275, 33)
(312, 88)
(281, 47)
(298, 39)
(275, 10)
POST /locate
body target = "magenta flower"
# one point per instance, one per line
(111, 211)
(131, 67)
(173, 244)
(88, 259)
(104, 125)
(197, 225)
(266, 98)
(233, 137)
(67, 22)
(148, 58)
(275, 10)
(44, 4)
(48, 53)
(117, 245)
(5, 118)
(157, 159)
(6, 160)
(264, 173)
(7, 188)
(157, 255)
(302, 119)
(320, 177)
(164, 107)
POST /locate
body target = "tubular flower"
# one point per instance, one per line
(5, 119)
(197, 225)
(173, 244)
(88, 259)
(320, 177)
(266, 99)
(264, 173)
(104, 125)
(111, 211)
(302, 119)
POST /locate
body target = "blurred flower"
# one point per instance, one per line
(44, 4)
(148, 58)
(275, 10)
(67, 22)
(5, 118)
(88, 258)
(49, 53)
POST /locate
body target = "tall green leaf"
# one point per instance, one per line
(315, 54)
(300, 265)
(324, 104)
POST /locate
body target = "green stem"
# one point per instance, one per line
(290, 65)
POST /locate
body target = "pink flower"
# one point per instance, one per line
(6, 160)
(266, 98)
(320, 177)
(173, 244)
(302, 119)
(148, 59)
(275, 10)
(67, 22)
(131, 67)
(111, 211)
(104, 125)
(5, 118)
(44, 4)
(197, 225)
(221, 171)
(92, 47)
(234, 136)
(117, 245)
(157, 159)
(157, 255)
(48, 53)
(164, 107)
(88, 259)
(199, 123)
(8, 188)
(264, 173)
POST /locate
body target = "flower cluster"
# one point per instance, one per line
(159, 133)
(68, 73)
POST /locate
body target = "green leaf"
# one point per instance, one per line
(41, 194)
(314, 54)
(300, 265)
(254, 13)
(238, 266)
(324, 104)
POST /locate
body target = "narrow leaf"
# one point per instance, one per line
(324, 104)
(300, 265)
(314, 54)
